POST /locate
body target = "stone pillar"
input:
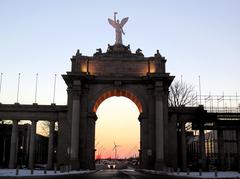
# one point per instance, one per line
(220, 148)
(143, 155)
(74, 157)
(50, 145)
(92, 121)
(183, 147)
(238, 147)
(159, 162)
(202, 148)
(173, 146)
(149, 128)
(32, 145)
(13, 147)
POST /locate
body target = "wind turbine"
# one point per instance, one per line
(115, 149)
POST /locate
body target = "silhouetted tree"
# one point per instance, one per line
(180, 94)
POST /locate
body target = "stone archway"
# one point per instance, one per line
(94, 102)
(118, 72)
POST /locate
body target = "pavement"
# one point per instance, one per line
(112, 174)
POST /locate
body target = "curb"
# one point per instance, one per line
(48, 175)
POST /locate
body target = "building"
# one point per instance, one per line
(23, 142)
(230, 141)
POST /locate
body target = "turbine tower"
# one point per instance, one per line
(115, 149)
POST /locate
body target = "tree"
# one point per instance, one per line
(180, 94)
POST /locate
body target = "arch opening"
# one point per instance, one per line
(117, 124)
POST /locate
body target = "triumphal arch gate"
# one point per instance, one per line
(116, 72)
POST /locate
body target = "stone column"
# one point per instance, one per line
(220, 148)
(50, 145)
(92, 117)
(149, 129)
(238, 147)
(159, 163)
(143, 141)
(183, 147)
(74, 157)
(202, 148)
(13, 147)
(32, 145)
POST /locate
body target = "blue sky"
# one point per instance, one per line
(196, 37)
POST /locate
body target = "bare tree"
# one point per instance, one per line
(180, 94)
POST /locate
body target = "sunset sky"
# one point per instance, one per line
(196, 37)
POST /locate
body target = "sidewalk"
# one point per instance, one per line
(26, 172)
(230, 174)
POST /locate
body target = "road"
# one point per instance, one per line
(103, 174)
(123, 174)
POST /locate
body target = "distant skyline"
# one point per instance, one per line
(196, 37)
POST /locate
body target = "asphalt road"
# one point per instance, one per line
(103, 174)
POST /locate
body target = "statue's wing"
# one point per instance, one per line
(123, 21)
(112, 22)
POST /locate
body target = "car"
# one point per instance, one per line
(111, 165)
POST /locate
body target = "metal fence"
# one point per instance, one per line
(217, 103)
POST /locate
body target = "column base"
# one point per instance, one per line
(75, 165)
(203, 164)
(159, 165)
(49, 166)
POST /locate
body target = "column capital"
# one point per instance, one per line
(34, 121)
(142, 116)
(52, 121)
(158, 83)
(76, 93)
(92, 115)
(75, 88)
(159, 90)
(15, 121)
(182, 126)
(182, 122)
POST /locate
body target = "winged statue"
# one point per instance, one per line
(118, 27)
